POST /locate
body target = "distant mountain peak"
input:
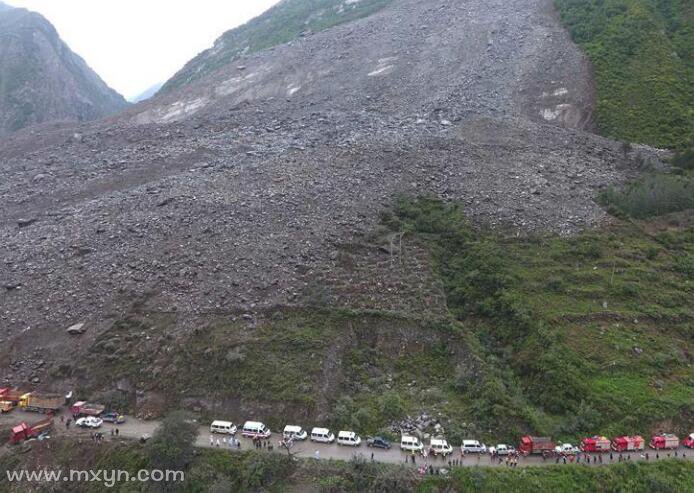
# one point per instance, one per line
(42, 79)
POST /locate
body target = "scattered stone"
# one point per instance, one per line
(77, 329)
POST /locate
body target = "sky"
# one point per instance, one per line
(135, 44)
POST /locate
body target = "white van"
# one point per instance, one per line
(348, 438)
(439, 446)
(322, 435)
(473, 447)
(255, 429)
(410, 444)
(294, 433)
(225, 427)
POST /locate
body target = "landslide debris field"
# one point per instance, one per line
(249, 197)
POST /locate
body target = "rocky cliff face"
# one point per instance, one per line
(42, 80)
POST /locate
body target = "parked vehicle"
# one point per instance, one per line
(566, 449)
(378, 442)
(595, 444)
(439, 446)
(113, 417)
(83, 408)
(536, 445)
(411, 444)
(294, 433)
(89, 422)
(6, 406)
(41, 403)
(24, 431)
(502, 449)
(348, 438)
(322, 435)
(473, 447)
(224, 427)
(628, 443)
(689, 441)
(255, 429)
(666, 441)
(11, 395)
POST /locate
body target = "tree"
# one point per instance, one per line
(171, 446)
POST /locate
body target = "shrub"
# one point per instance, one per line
(653, 195)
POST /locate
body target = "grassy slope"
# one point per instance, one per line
(214, 470)
(282, 23)
(590, 334)
(643, 54)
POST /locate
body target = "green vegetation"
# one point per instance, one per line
(590, 334)
(642, 52)
(653, 194)
(282, 23)
(171, 447)
(221, 471)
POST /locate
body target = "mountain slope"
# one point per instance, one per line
(284, 22)
(42, 80)
(232, 229)
(643, 53)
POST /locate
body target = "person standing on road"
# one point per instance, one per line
(211, 440)
(317, 455)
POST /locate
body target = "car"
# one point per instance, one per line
(473, 447)
(439, 446)
(566, 449)
(113, 417)
(89, 422)
(378, 442)
(502, 449)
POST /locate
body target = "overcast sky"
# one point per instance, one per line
(134, 44)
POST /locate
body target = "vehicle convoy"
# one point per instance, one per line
(83, 408)
(689, 441)
(89, 422)
(502, 449)
(439, 446)
(25, 431)
(41, 403)
(378, 442)
(595, 444)
(566, 449)
(666, 441)
(628, 443)
(536, 445)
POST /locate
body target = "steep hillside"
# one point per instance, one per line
(284, 22)
(643, 54)
(42, 80)
(250, 227)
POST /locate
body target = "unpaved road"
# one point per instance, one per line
(135, 428)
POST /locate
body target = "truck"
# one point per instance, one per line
(11, 395)
(24, 431)
(41, 403)
(627, 443)
(689, 441)
(665, 441)
(536, 445)
(6, 406)
(83, 408)
(595, 444)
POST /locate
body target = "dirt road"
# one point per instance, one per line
(135, 428)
